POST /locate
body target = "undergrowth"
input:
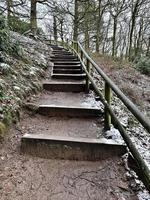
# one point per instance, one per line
(6, 44)
(143, 64)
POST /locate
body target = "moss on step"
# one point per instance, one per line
(31, 107)
(36, 87)
(2, 130)
(7, 119)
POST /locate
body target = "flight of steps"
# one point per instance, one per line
(68, 70)
(66, 66)
(67, 87)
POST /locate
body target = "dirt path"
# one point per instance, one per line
(23, 177)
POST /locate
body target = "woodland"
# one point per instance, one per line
(120, 28)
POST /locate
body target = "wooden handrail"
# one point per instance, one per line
(132, 108)
(105, 100)
(127, 102)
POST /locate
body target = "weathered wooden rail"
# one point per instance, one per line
(110, 116)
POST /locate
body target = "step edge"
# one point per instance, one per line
(77, 75)
(68, 107)
(102, 141)
(63, 83)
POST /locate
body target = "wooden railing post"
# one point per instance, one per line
(81, 55)
(77, 47)
(73, 45)
(108, 99)
(87, 79)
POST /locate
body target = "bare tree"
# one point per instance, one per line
(135, 7)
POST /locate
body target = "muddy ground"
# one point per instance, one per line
(23, 177)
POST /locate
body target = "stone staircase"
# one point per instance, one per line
(64, 99)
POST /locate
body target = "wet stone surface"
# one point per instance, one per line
(68, 99)
(63, 126)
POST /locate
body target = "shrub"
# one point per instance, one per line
(143, 64)
(6, 45)
(4, 36)
(18, 25)
(16, 50)
(21, 26)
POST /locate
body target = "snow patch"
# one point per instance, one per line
(16, 88)
(114, 134)
(144, 195)
(89, 101)
(4, 68)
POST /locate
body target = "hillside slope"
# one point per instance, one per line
(20, 75)
(134, 84)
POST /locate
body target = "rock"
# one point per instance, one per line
(123, 185)
(16, 88)
(5, 68)
(2, 58)
(2, 158)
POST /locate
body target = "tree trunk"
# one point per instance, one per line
(75, 29)
(133, 20)
(122, 50)
(33, 17)
(55, 28)
(98, 27)
(87, 39)
(114, 37)
(137, 49)
(86, 26)
(9, 7)
(106, 36)
(131, 36)
(148, 48)
(127, 45)
(61, 30)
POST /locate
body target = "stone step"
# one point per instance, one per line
(63, 59)
(57, 48)
(69, 62)
(64, 86)
(69, 111)
(65, 126)
(69, 76)
(61, 53)
(67, 71)
(75, 100)
(70, 148)
(67, 66)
